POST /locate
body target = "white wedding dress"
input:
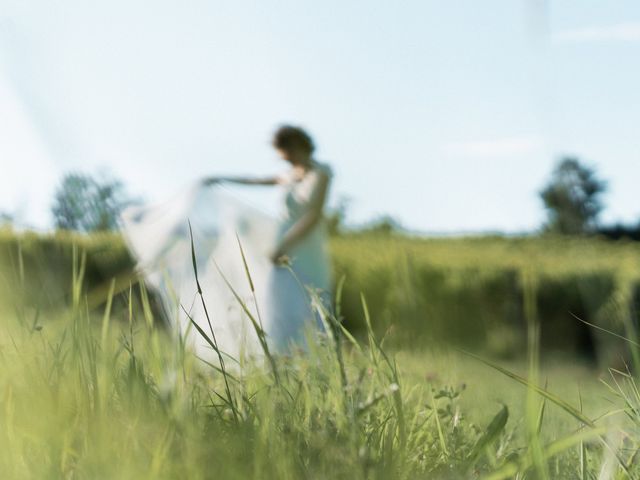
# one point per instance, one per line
(284, 300)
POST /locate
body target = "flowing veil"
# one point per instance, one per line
(159, 236)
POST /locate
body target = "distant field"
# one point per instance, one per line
(465, 291)
(471, 290)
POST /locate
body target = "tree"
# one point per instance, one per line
(383, 225)
(6, 219)
(86, 204)
(573, 198)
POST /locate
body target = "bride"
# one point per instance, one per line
(286, 258)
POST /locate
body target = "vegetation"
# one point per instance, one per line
(107, 393)
(87, 204)
(573, 198)
(466, 291)
(471, 290)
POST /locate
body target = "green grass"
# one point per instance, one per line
(104, 392)
(133, 404)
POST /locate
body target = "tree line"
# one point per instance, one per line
(573, 199)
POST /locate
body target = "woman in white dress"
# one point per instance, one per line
(300, 275)
(287, 257)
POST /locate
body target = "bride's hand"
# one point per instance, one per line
(279, 257)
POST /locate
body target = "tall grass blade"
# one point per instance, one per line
(490, 435)
(261, 334)
(510, 470)
(106, 318)
(262, 338)
(212, 341)
(441, 439)
(582, 449)
(548, 395)
(597, 327)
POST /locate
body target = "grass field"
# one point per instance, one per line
(105, 393)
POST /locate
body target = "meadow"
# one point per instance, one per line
(444, 358)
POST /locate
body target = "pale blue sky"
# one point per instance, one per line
(445, 114)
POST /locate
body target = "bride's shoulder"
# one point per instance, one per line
(323, 168)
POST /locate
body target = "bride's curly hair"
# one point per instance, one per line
(288, 137)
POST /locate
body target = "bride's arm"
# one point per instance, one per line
(309, 220)
(242, 180)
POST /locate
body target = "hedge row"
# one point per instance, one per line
(469, 291)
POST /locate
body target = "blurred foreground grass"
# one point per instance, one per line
(105, 393)
(131, 404)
